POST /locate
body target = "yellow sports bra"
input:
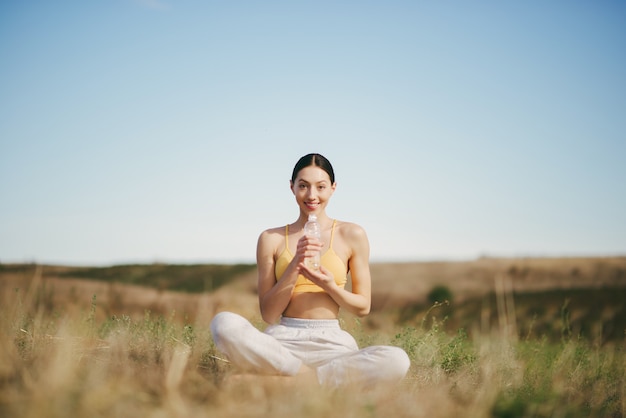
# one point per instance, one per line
(329, 260)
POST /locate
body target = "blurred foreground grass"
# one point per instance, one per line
(57, 362)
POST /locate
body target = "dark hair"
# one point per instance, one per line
(315, 160)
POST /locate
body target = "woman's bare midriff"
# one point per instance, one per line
(317, 305)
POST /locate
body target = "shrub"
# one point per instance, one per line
(440, 293)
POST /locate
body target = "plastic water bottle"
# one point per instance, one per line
(312, 228)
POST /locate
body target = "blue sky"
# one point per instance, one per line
(155, 130)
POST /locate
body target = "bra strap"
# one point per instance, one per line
(332, 234)
(287, 236)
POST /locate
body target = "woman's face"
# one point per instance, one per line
(312, 189)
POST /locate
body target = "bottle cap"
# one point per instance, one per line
(312, 217)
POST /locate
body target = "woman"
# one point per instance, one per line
(302, 305)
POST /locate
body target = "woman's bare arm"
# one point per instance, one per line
(358, 301)
(274, 296)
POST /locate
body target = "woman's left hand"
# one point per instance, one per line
(322, 277)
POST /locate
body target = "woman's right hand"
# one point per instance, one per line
(307, 247)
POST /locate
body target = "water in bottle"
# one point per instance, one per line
(312, 228)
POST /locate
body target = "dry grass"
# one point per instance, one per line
(64, 353)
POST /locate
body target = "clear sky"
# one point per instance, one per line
(166, 131)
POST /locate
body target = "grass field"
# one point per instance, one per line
(515, 338)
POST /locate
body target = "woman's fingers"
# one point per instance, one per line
(309, 246)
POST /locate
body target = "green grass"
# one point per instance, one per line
(59, 362)
(60, 366)
(596, 314)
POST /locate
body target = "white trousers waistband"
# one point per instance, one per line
(309, 323)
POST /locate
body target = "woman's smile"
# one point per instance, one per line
(312, 205)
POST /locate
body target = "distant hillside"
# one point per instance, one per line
(190, 278)
(392, 283)
(532, 297)
(535, 297)
(395, 284)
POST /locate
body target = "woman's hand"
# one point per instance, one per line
(307, 247)
(322, 277)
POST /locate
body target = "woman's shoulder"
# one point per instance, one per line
(270, 240)
(350, 230)
(273, 233)
(352, 240)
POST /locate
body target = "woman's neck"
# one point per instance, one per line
(322, 219)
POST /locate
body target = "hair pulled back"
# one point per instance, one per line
(315, 160)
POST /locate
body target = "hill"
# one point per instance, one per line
(532, 296)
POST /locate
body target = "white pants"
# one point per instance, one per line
(317, 343)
